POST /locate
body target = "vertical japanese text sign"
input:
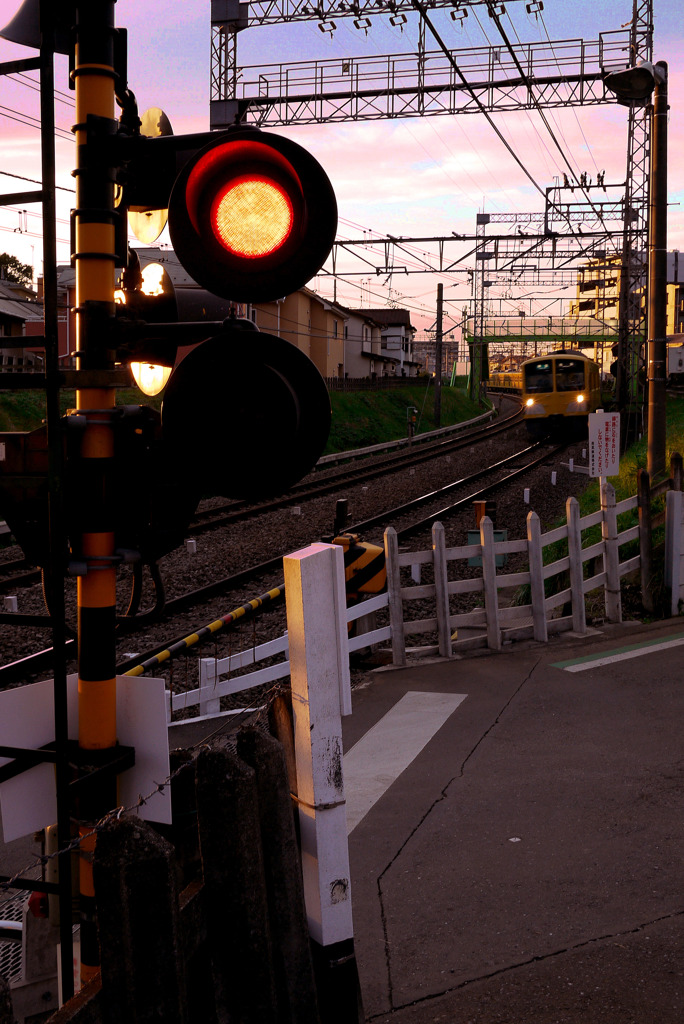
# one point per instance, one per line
(604, 443)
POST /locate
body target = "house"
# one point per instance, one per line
(20, 315)
(397, 334)
(314, 324)
(363, 356)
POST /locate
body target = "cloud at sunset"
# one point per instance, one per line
(412, 177)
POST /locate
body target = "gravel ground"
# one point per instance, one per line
(225, 550)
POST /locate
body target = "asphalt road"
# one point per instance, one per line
(516, 834)
(527, 866)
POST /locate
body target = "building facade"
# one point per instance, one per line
(397, 334)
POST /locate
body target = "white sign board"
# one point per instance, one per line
(29, 801)
(604, 443)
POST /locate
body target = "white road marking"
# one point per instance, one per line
(389, 747)
(622, 655)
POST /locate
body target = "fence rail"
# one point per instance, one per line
(369, 383)
(545, 594)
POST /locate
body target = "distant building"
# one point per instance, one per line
(598, 291)
(20, 315)
(424, 354)
(397, 334)
(314, 324)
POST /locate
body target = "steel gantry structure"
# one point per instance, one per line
(510, 76)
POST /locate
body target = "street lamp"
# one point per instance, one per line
(634, 86)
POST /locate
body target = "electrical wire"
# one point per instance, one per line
(493, 13)
(32, 122)
(35, 181)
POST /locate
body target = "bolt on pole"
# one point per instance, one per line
(94, 256)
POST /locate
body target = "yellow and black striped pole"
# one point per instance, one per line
(94, 256)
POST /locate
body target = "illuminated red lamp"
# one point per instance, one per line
(252, 217)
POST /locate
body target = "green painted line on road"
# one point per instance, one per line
(619, 654)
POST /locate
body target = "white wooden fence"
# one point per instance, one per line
(554, 595)
(495, 619)
(674, 549)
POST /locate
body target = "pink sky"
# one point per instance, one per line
(411, 177)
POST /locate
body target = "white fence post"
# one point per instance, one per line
(535, 558)
(491, 594)
(674, 515)
(209, 700)
(579, 612)
(396, 608)
(317, 631)
(439, 564)
(611, 557)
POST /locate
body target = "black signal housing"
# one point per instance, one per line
(229, 163)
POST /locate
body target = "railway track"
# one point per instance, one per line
(16, 574)
(238, 511)
(409, 518)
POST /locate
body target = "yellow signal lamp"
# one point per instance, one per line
(151, 378)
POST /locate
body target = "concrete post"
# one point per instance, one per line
(317, 628)
(645, 540)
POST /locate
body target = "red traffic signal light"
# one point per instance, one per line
(252, 216)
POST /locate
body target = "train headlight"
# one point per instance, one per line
(529, 402)
(580, 399)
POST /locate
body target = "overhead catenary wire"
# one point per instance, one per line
(494, 15)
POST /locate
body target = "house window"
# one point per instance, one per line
(334, 328)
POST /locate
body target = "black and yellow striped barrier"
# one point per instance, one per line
(213, 627)
(364, 565)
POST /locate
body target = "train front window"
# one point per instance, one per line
(569, 375)
(539, 376)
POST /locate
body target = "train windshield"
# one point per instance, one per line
(539, 375)
(569, 375)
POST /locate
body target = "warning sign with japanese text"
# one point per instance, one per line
(604, 443)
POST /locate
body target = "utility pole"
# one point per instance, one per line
(657, 278)
(55, 581)
(95, 249)
(438, 356)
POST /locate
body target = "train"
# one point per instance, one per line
(558, 390)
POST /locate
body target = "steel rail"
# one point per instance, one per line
(219, 587)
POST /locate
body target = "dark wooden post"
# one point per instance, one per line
(292, 966)
(6, 1014)
(235, 888)
(143, 977)
(645, 540)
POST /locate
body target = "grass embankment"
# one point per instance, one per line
(25, 410)
(359, 418)
(625, 484)
(635, 458)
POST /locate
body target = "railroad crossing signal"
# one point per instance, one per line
(252, 215)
